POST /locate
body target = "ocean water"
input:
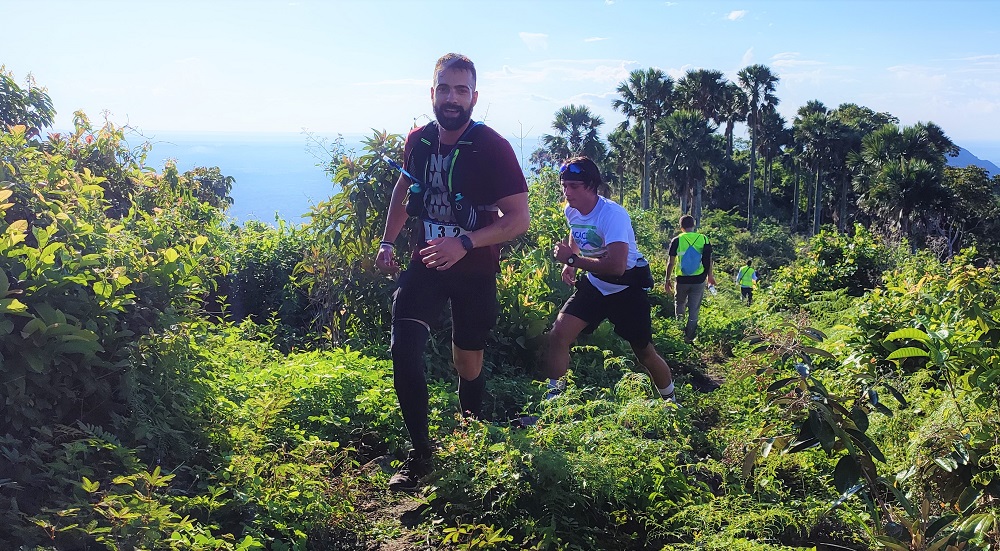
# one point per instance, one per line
(277, 175)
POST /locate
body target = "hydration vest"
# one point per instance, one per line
(689, 254)
(467, 215)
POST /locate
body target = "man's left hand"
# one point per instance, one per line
(442, 253)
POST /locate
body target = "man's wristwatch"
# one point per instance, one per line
(466, 242)
(571, 261)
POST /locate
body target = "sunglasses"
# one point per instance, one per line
(572, 168)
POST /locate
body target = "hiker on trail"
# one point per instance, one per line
(746, 277)
(691, 263)
(459, 174)
(602, 243)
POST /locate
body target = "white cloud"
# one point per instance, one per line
(736, 15)
(791, 60)
(600, 71)
(395, 82)
(535, 41)
(595, 39)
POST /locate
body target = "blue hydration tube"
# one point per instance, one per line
(415, 185)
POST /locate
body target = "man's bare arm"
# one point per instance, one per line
(514, 222)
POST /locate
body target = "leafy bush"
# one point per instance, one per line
(829, 262)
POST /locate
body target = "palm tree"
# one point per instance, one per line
(645, 97)
(858, 122)
(773, 136)
(703, 90)
(689, 146)
(902, 174)
(623, 158)
(732, 109)
(576, 134)
(820, 138)
(758, 83)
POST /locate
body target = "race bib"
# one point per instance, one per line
(434, 229)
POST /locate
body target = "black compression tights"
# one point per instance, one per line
(409, 338)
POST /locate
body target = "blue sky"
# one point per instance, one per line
(350, 66)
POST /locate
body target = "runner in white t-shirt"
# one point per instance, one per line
(602, 243)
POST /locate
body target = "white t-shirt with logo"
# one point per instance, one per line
(608, 223)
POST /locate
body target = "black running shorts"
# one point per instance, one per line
(423, 292)
(628, 311)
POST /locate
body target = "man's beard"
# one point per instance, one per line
(452, 122)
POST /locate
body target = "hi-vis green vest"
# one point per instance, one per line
(690, 246)
(746, 276)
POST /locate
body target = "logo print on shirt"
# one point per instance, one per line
(587, 238)
(436, 200)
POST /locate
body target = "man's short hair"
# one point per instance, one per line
(582, 168)
(687, 222)
(456, 62)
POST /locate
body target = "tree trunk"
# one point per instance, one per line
(753, 168)
(816, 205)
(645, 163)
(697, 202)
(795, 198)
(729, 139)
(843, 205)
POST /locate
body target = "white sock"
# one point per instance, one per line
(666, 392)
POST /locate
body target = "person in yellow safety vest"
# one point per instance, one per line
(746, 277)
(691, 264)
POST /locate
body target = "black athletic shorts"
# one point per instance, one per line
(628, 311)
(423, 292)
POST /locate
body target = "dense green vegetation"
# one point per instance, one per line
(172, 381)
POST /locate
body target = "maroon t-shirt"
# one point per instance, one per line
(488, 171)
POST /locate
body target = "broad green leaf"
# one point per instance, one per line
(938, 524)
(12, 306)
(892, 543)
(846, 474)
(976, 525)
(818, 352)
(4, 283)
(947, 463)
(908, 333)
(908, 352)
(781, 383)
(968, 499)
(102, 289)
(896, 394)
(34, 325)
(748, 462)
(170, 255)
(860, 418)
(816, 334)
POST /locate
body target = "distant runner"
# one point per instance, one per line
(746, 278)
(693, 268)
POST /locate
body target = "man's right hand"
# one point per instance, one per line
(668, 287)
(385, 260)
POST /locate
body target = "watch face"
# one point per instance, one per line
(571, 260)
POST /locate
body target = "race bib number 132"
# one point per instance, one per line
(434, 229)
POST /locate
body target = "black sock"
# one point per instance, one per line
(470, 395)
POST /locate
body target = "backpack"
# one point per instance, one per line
(466, 214)
(690, 257)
